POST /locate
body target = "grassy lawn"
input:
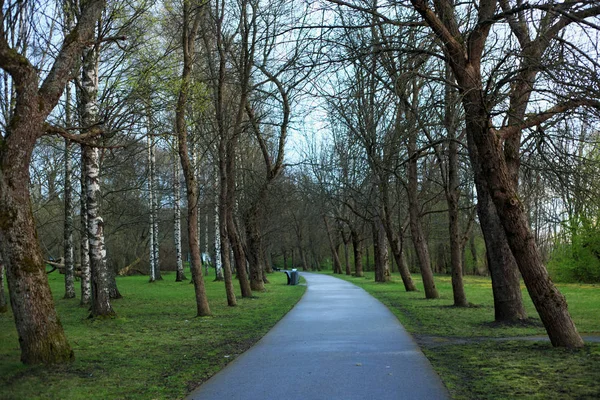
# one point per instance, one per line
(475, 357)
(154, 349)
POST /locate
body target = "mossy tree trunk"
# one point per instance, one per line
(41, 335)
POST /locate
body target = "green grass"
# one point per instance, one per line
(154, 349)
(474, 356)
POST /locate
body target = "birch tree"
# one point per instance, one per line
(68, 246)
(89, 117)
(177, 219)
(41, 335)
(69, 208)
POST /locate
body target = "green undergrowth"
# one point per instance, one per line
(155, 349)
(479, 359)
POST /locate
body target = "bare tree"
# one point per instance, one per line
(495, 151)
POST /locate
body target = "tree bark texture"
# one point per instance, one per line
(222, 243)
(253, 240)
(357, 246)
(452, 196)
(497, 164)
(41, 335)
(68, 226)
(396, 243)
(380, 252)
(232, 230)
(337, 267)
(3, 303)
(219, 276)
(84, 243)
(88, 112)
(416, 230)
(190, 30)
(180, 276)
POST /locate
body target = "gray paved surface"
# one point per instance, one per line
(338, 342)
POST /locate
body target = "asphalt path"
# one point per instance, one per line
(338, 342)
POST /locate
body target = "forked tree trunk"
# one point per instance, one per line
(357, 246)
(485, 146)
(180, 276)
(549, 302)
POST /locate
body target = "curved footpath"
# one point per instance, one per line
(338, 342)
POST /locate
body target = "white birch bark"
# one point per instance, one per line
(177, 224)
(86, 274)
(68, 198)
(89, 116)
(151, 207)
(153, 178)
(218, 262)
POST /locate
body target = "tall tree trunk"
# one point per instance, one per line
(68, 227)
(452, 195)
(416, 230)
(499, 172)
(358, 252)
(232, 230)
(337, 267)
(382, 267)
(69, 14)
(180, 277)
(549, 302)
(101, 306)
(253, 240)
(222, 243)
(150, 144)
(190, 30)
(41, 336)
(396, 242)
(347, 254)
(84, 243)
(88, 111)
(218, 260)
(506, 285)
(3, 303)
